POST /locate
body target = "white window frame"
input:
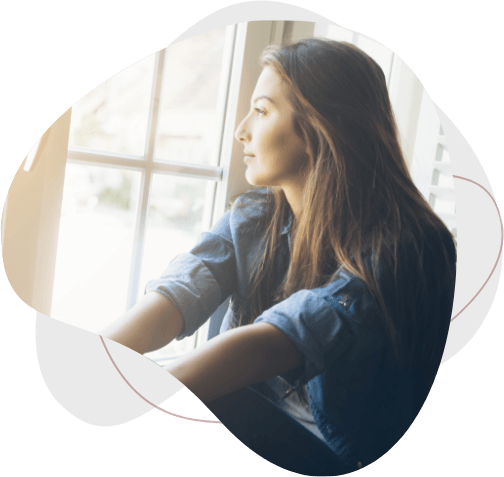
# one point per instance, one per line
(148, 164)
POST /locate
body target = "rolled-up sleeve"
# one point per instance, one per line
(315, 326)
(199, 281)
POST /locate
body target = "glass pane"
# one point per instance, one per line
(95, 245)
(113, 117)
(188, 125)
(178, 207)
(444, 155)
(381, 54)
(446, 180)
(444, 206)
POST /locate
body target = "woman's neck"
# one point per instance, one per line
(294, 197)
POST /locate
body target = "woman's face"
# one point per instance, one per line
(274, 154)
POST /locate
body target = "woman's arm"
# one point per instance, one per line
(149, 325)
(237, 358)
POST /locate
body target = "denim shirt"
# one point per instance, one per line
(361, 402)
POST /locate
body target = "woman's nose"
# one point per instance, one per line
(241, 133)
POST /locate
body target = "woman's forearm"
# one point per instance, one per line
(235, 359)
(149, 325)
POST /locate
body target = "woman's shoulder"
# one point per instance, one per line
(248, 213)
(399, 265)
(252, 207)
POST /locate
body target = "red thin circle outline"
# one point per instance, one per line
(473, 298)
(500, 249)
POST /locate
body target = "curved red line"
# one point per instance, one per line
(500, 249)
(146, 400)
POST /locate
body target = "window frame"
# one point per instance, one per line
(148, 164)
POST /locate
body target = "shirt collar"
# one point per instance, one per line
(287, 226)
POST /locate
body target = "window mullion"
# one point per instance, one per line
(141, 221)
(103, 158)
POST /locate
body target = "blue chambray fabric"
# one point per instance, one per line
(360, 402)
(219, 264)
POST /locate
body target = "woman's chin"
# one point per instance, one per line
(258, 180)
(251, 178)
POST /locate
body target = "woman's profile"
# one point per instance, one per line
(341, 277)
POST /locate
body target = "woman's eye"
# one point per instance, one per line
(260, 111)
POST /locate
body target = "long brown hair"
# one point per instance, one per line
(361, 210)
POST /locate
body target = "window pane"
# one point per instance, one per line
(446, 180)
(178, 207)
(446, 156)
(188, 125)
(381, 54)
(443, 206)
(95, 245)
(113, 117)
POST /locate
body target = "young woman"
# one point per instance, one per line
(340, 275)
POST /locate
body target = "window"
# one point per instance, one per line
(151, 164)
(140, 181)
